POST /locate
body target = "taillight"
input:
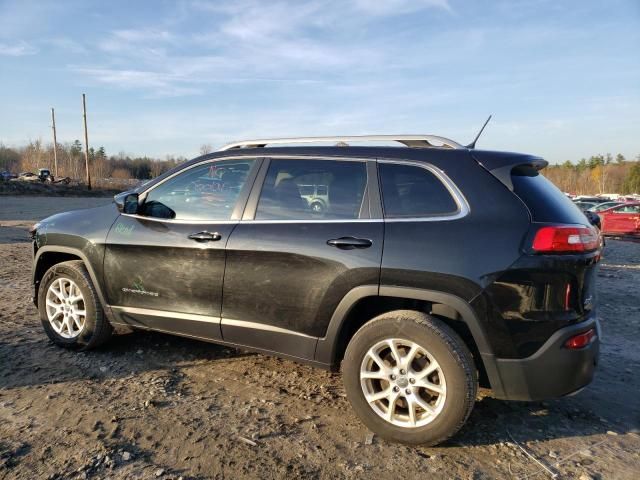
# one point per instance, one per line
(581, 340)
(560, 239)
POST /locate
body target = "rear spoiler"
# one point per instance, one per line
(501, 164)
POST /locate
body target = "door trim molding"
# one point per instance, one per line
(207, 318)
(229, 322)
(165, 314)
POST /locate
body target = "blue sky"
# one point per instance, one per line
(562, 78)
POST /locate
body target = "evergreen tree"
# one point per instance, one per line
(582, 164)
(76, 148)
(632, 182)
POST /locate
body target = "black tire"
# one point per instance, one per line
(317, 208)
(449, 351)
(97, 329)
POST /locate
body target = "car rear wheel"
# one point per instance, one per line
(410, 378)
(69, 307)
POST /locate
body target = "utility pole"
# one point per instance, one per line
(86, 141)
(55, 142)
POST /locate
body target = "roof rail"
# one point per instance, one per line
(423, 141)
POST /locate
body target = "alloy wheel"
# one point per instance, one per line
(65, 308)
(403, 383)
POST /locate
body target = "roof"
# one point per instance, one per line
(416, 141)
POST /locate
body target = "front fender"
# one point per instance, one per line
(42, 251)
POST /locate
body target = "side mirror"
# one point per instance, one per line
(127, 202)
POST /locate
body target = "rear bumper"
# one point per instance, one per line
(553, 371)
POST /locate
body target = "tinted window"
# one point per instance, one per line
(627, 209)
(291, 190)
(544, 200)
(604, 206)
(205, 192)
(411, 191)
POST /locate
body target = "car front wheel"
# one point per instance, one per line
(69, 307)
(410, 378)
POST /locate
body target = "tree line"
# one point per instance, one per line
(598, 174)
(71, 163)
(594, 175)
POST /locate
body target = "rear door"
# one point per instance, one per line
(290, 262)
(164, 266)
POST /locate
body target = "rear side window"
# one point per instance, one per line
(409, 191)
(312, 189)
(544, 200)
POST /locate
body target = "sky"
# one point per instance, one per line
(561, 78)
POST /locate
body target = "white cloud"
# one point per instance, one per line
(399, 7)
(19, 18)
(68, 45)
(19, 49)
(156, 84)
(132, 43)
(250, 40)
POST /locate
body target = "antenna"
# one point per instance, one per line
(472, 145)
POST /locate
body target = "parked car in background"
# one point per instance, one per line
(6, 175)
(316, 195)
(587, 209)
(623, 220)
(604, 206)
(593, 199)
(584, 206)
(44, 174)
(28, 177)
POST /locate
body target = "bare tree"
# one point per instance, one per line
(205, 148)
(156, 168)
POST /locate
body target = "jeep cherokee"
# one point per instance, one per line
(430, 269)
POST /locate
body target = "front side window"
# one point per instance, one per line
(205, 192)
(312, 189)
(410, 191)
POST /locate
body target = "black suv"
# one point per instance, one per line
(430, 269)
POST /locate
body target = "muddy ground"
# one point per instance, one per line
(155, 406)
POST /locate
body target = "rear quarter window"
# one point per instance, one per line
(410, 191)
(545, 201)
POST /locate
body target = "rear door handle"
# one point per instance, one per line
(349, 243)
(205, 236)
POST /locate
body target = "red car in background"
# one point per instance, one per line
(621, 220)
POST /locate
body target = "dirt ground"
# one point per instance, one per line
(155, 406)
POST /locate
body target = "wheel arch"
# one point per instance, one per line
(365, 302)
(48, 256)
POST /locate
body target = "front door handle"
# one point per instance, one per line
(205, 236)
(349, 243)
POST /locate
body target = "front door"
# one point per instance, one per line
(290, 262)
(164, 266)
(622, 220)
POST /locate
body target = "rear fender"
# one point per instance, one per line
(327, 346)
